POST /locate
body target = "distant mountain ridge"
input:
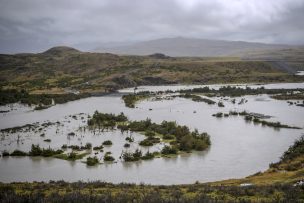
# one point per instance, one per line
(181, 46)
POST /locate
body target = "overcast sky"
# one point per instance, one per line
(36, 25)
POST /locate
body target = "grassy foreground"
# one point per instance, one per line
(280, 183)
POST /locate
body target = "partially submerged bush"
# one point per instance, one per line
(91, 161)
(18, 153)
(107, 142)
(5, 153)
(168, 137)
(37, 151)
(108, 157)
(128, 156)
(169, 150)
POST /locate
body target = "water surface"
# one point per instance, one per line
(238, 148)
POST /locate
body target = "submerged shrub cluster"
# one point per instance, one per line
(36, 150)
(137, 155)
(13, 96)
(238, 91)
(185, 140)
(105, 120)
(255, 118)
(197, 98)
(131, 99)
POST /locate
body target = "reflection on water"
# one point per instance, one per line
(238, 148)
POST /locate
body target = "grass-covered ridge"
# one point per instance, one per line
(53, 71)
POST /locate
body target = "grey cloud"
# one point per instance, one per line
(35, 25)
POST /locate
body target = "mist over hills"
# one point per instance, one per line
(181, 46)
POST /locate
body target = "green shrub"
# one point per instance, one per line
(146, 142)
(107, 142)
(91, 161)
(18, 153)
(108, 157)
(169, 150)
(147, 156)
(168, 137)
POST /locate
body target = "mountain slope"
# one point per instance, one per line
(189, 47)
(62, 68)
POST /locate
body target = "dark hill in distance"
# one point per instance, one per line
(61, 50)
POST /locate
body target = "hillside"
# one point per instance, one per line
(61, 69)
(193, 47)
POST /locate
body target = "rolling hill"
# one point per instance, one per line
(193, 47)
(65, 69)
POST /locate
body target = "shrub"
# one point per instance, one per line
(220, 104)
(137, 154)
(107, 142)
(18, 153)
(248, 118)
(91, 161)
(88, 146)
(147, 156)
(146, 142)
(168, 137)
(98, 147)
(108, 157)
(218, 115)
(128, 156)
(169, 150)
(72, 156)
(149, 133)
(5, 153)
(35, 150)
(130, 139)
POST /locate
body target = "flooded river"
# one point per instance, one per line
(238, 148)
